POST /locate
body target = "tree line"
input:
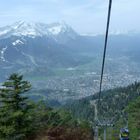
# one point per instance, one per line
(24, 119)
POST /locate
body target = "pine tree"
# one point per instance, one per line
(14, 108)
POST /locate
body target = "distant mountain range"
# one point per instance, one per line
(25, 46)
(22, 29)
(38, 49)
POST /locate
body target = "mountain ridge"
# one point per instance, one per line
(52, 56)
(31, 29)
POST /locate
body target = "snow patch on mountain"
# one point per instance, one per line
(55, 30)
(35, 29)
(2, 53)
(25, 29)
(4, 32)
(17, 42)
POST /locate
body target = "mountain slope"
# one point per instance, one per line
(134, 119)
(113, 103)
(30, 46)
(29, 29)
(66, 59)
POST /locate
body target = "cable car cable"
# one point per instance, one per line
(104, 53)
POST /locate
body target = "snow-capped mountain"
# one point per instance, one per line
(22, 37)
(28, 46)
(22, 29)
(37, 48)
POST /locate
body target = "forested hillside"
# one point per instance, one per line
(113, 102)
(128, 108)
(23, 119)
(134, 119)
(120, 104)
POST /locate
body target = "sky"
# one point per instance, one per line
(85, 16)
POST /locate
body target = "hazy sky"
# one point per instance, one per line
(85, 16)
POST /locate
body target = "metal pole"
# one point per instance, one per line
(104, 133)
(96, 133)
(111, 133)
